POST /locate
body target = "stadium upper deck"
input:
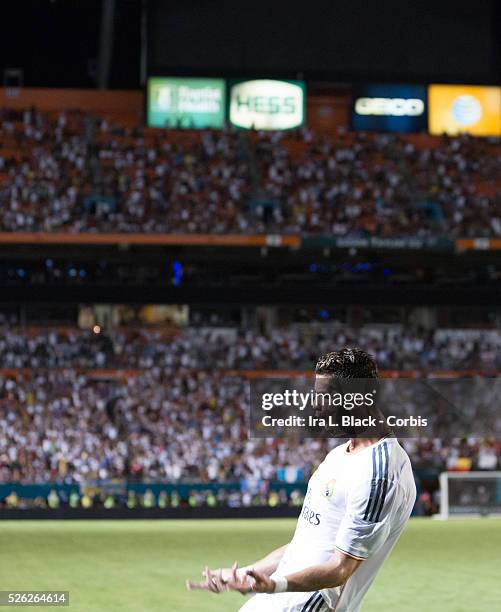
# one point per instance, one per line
(76, 172)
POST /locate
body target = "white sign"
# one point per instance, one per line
(467, 110)
(267, 105)
(396, 107)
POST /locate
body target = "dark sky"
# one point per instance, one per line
(412, 40)
(55, 42)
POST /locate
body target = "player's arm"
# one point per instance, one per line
(333, 573)
(269, 564)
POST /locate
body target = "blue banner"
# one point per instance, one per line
(389, 108)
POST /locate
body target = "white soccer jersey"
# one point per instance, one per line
(358, 503)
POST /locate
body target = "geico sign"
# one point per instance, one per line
(266, 105)
(396, 107)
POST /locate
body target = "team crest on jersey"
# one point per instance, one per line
(329, 488)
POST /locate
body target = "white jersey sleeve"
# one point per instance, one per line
(364, 527)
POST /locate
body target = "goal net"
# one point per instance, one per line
(470, 494)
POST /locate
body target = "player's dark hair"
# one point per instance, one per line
(347, 363)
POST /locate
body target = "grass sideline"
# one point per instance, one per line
(142, 565)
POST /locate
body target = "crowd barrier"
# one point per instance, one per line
(148, 513)
(183, 489)
(219, 240)
(294, 241)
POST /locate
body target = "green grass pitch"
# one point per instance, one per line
(141, 566)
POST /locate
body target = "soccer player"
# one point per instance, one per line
(357, 504)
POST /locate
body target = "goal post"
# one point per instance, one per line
(470, 494)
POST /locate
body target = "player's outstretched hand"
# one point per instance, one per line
(214, 581)
(218, 581)
(253, 582)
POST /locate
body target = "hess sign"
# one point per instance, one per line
(267, 104)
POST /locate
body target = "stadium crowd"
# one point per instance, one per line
(161, 425)
(76, 172)
(167, 426)
(183, 417)
(79, 173)
(286, 348)
(384, 185)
